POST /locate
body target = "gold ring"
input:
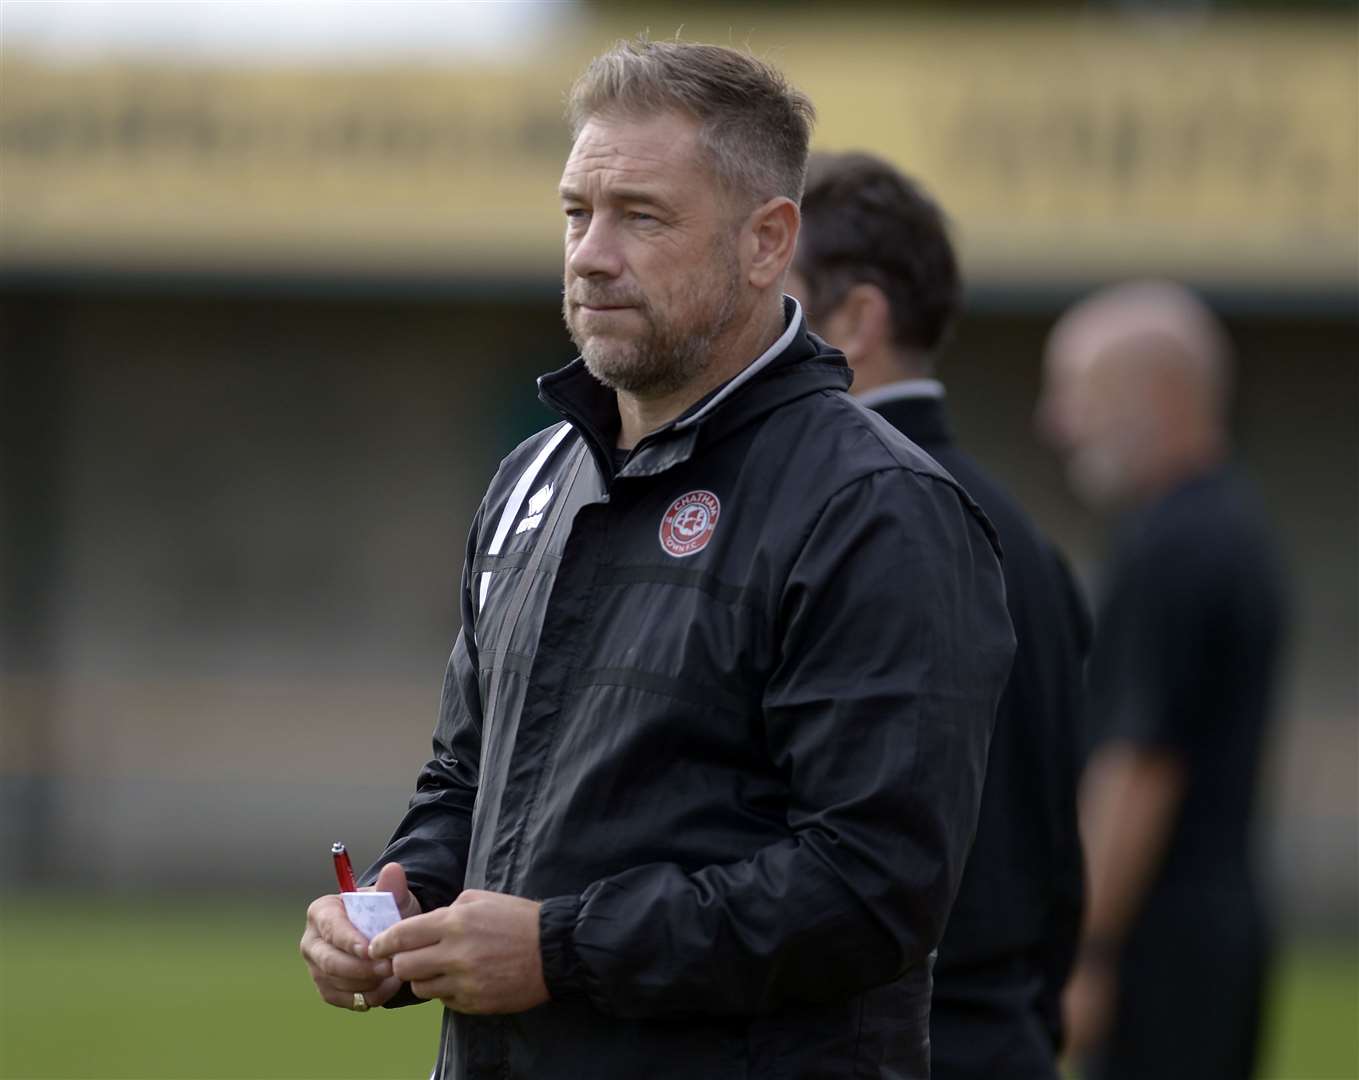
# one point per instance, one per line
(360, 1003)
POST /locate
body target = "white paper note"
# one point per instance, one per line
(371, 912)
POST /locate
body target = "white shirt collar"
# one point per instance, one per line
(750, 370)
(900, 391)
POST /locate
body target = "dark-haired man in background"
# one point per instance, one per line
(878, 278)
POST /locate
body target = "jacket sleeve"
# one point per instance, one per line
(1055, 953)
(894, 644)
(432, 839)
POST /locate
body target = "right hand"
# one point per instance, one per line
(337, 954)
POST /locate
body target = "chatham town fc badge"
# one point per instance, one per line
(688, 525)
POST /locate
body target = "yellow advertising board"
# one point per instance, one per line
(1223, 149)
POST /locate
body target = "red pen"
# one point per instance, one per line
(344, 869)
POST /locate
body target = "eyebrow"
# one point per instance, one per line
(630, 195)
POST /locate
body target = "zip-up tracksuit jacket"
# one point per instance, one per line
(725, 711)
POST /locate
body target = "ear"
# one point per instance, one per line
(863, 321)
(770, 240)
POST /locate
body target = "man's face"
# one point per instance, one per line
(652, 275)
(1098, 414)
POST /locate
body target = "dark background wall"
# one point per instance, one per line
(233, 523)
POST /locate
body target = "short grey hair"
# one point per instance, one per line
(755, 125)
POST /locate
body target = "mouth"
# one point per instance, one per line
(604, 316)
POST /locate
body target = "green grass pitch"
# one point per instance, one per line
(214, 988)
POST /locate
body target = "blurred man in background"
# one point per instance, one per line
(713, 735)
(1169, 976)
(878, 277)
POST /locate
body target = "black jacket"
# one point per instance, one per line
(726, 713)
(1191, 629)
(1012, 935)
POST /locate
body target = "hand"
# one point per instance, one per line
(478, 955)
(1088, 1007)
(337, 954)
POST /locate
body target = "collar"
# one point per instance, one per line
(793, 317)
(922, 418)
(901, 390)
(797, 363)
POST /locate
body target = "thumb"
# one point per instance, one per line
(392, 878)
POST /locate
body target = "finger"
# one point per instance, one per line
(444, 987)
(330, 962)
(392, 878)
(341, 999)
(357, 986)
(385, 991)
(422, 964)
(328, 916)
(417, 932)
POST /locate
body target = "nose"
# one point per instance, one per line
(595, 252)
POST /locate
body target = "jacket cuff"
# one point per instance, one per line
(556, 940)
(403, 997)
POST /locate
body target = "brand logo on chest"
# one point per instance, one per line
(688, 524)
(536, 506)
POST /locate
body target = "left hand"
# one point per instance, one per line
(478, 955)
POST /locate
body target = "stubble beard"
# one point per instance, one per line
(667, 356)
(1104, 472)
(1096, 477)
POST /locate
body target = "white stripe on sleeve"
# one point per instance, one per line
(516, 500)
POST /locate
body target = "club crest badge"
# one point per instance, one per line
(688, 525)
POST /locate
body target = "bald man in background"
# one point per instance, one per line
(1169, 977)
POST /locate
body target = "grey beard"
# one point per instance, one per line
(665, 360)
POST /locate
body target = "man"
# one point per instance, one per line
(878, 276)
(713, 735)
(1181, 679)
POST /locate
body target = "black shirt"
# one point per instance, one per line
(1186, 650)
